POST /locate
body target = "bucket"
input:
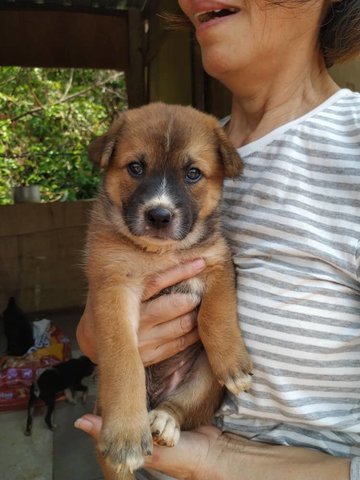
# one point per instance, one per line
(30, 193)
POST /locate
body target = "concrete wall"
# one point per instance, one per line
(41, 256)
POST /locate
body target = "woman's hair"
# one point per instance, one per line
(339, 33)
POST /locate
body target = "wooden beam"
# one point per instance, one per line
(63, 39)
(135, 73)
(198, 77)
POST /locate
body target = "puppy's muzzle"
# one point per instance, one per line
(158, 218)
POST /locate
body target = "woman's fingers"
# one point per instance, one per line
(169, 349)
(166, 308)
(172, 276)
(159, 337)
(90, 424)
(173, 311)
(164, 332)
(167, 326)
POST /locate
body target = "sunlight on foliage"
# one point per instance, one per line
(47, 119)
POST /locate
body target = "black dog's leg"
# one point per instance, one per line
(50, 403)
(30, 411)
(69, 394)
(81, 388)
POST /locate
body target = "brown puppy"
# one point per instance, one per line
(158, 207)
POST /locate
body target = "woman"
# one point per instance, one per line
(294, 224)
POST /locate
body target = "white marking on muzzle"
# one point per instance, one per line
(162, 197)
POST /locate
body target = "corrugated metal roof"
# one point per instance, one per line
(96, 6)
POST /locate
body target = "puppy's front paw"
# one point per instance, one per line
(164, 428)
(236, 375)
(124, 445)
(238, 382)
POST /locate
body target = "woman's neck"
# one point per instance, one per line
(262, 105)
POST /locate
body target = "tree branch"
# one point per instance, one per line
(67, 98)
(69, 84)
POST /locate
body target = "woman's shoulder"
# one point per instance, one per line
(347, 99)
(338, 116)
(341, 112)
(348, 95)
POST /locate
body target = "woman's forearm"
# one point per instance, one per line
(234, 458)
(207, 454)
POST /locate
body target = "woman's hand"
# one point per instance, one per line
(167, 323)
(188, 460)
(207, 453)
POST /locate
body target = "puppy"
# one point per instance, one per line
(65, 376)
(18, 329)
(159, 207)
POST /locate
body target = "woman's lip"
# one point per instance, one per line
(210, 5)
(199, 12)
(202, 26)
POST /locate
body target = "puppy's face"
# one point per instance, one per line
(164, 169)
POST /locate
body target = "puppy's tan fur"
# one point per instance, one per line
(120, 262)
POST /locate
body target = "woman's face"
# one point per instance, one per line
(238, 34)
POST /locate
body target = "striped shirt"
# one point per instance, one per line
(293, 222)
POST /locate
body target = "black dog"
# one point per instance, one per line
(65, 376)
(18, 329)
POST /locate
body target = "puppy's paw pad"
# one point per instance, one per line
(164, 428)
(240, 382)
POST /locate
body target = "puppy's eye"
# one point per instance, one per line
(193, 175)
(136, 169)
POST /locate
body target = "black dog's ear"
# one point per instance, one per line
(101, 149)
(229, 156)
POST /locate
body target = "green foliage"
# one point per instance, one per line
(47, 119)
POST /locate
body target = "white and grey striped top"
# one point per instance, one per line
(293, 221)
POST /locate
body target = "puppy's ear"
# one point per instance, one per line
(101, 149)
(229, 156)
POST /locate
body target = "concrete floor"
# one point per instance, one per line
(66, 454)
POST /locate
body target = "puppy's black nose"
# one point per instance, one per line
(158, 217)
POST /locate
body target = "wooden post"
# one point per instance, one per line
(198, 77)
(135, 73)
(169, 70)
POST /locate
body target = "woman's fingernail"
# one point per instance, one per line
(199, 264)
(83, 424)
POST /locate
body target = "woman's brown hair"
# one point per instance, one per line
(339, 33)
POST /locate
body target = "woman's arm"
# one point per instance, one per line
(206, 454)
(167, 323)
